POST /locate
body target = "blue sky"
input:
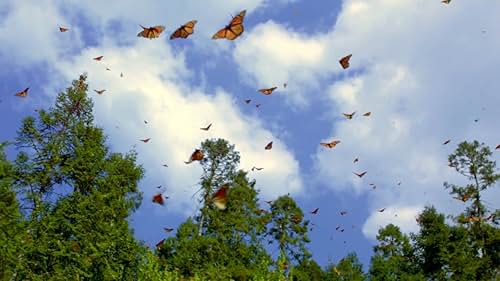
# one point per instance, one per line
(424, 69)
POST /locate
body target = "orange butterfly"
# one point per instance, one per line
(100, 92)
(349, 116)
(269, 146)
(233, 29)
(463, 198)
(145, 140)
(220, 197)
(473, 219)
(206, 128)
(62, 29)
(367, 114)
(344, 62)
(23, 93)
(184, 31)
(446, 142)
(296, 219)
(360, 175)
(315, 211)
(331, 144)
(268, 91)
(151, 32)
(197, 155)
(158, 198)
(99, 58)
(446, 1)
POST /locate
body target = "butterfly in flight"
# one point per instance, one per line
(197, 155)
(206, 128)
(284, 85)
(108, 69)
(463, 198)
(367, 114)
(159, 244)
(165, 165)
(349, 115)
(373, 185)
(23, 93)
(381, 210)
(100, 92)
(151, 32)
(270, 202)
(355, 160)
(497, 147)
(296, 219)
(268, 91)
(184, 31)
(361, 174)
(220, 197)
(338, 227)
(446, 142)
(145, 140)
(344, 62)
(62, 29)
(315, 211)
(257, 105)
(233, 29)
(99, 58)
(343, 213)
(247, 101)
(255, 168)
(167, 229)
(158, 199)
(331, 144)
(121, 75)
(446, 1)
(269, 146)
(145, 121)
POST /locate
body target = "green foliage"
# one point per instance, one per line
(348, 269)
(394, 257)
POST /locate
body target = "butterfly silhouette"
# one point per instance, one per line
(255, 168)
(220, 197)
(361, 174)
(381, 210)
(446, 142)
(145, 140)
(315, 211)
(99, 58)
(62, 29)
(269, 146)
(197, 155)
(331, 144)
(168, 229)
(206, 128)
(100, 92)
(268, 91)
(349, 116)
(158, 198)
(367, 114)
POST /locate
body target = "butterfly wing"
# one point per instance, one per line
(23, 93)
(344, 62)
(233, 29)
(269, 146)
(220, 197)
(184, 31)
(151, 32)
(158, 198)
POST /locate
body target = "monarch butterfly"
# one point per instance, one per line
(269, 146)
(498, 147)
(247, 101)
(121, 74)
(284, 85)
(159, 244)
(296, 219)
(381, 210)
(473, 219)
(268, 91)
(233, 29)
(315, 211)
(197, 155)
(100, 92)
(23, 93)
(255, 168)
(206, 128)
(446, 142)
(367, 114)
(151, 32)
(145, 140)
(361, 174)
(344, 62)
(338, 227)
(355, 160)
(220, 197)
(331, 144)
(184, 31)
(158, 198)
(167, 229)
(446, 1)
(99, 58)
(343, 213)
(463, 198)
(349, 116)
(62, 29)
(257, 105)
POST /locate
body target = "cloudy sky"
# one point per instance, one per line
(425, 71)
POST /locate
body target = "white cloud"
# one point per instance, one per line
(152, 89)
(404, 217)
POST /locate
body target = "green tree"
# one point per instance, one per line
(394, 257)
(347, 269)
(307, 270)
(289, 230)
(220, 244)
(78, 195)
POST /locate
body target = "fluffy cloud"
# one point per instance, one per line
(423, 81)
(152, 89)
(404, 217)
